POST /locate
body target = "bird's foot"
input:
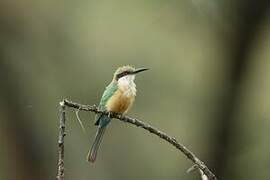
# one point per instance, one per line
(109, 114)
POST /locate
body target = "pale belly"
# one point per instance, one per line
(120, 102)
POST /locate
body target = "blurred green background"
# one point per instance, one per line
(208, 86)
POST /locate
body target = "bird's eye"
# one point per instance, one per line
(122, 74)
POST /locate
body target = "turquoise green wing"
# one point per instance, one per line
(108, 93)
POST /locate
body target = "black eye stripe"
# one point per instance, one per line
(118, 76)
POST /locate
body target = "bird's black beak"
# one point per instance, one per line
(139, 70)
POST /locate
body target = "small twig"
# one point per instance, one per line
(60, 165)
(79, 119)
(196, 168)
(190, 155)
(203, 176)
(192, 168)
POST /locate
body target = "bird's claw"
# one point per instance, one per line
(109, 114)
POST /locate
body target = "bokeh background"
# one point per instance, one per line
(208, 86)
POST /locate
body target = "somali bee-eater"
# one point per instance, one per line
(118, 97)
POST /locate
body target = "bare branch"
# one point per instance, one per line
(62, 121)
(190, 155)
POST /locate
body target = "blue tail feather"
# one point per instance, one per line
(92, 154)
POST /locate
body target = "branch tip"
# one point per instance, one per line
(62, 103)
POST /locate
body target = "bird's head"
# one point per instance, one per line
(127, 73)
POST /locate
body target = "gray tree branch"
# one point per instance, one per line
(189, 154)
(62, 133)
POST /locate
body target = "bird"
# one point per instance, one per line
(118, 97)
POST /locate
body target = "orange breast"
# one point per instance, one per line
(119, 102)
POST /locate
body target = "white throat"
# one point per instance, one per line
(127, 85)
